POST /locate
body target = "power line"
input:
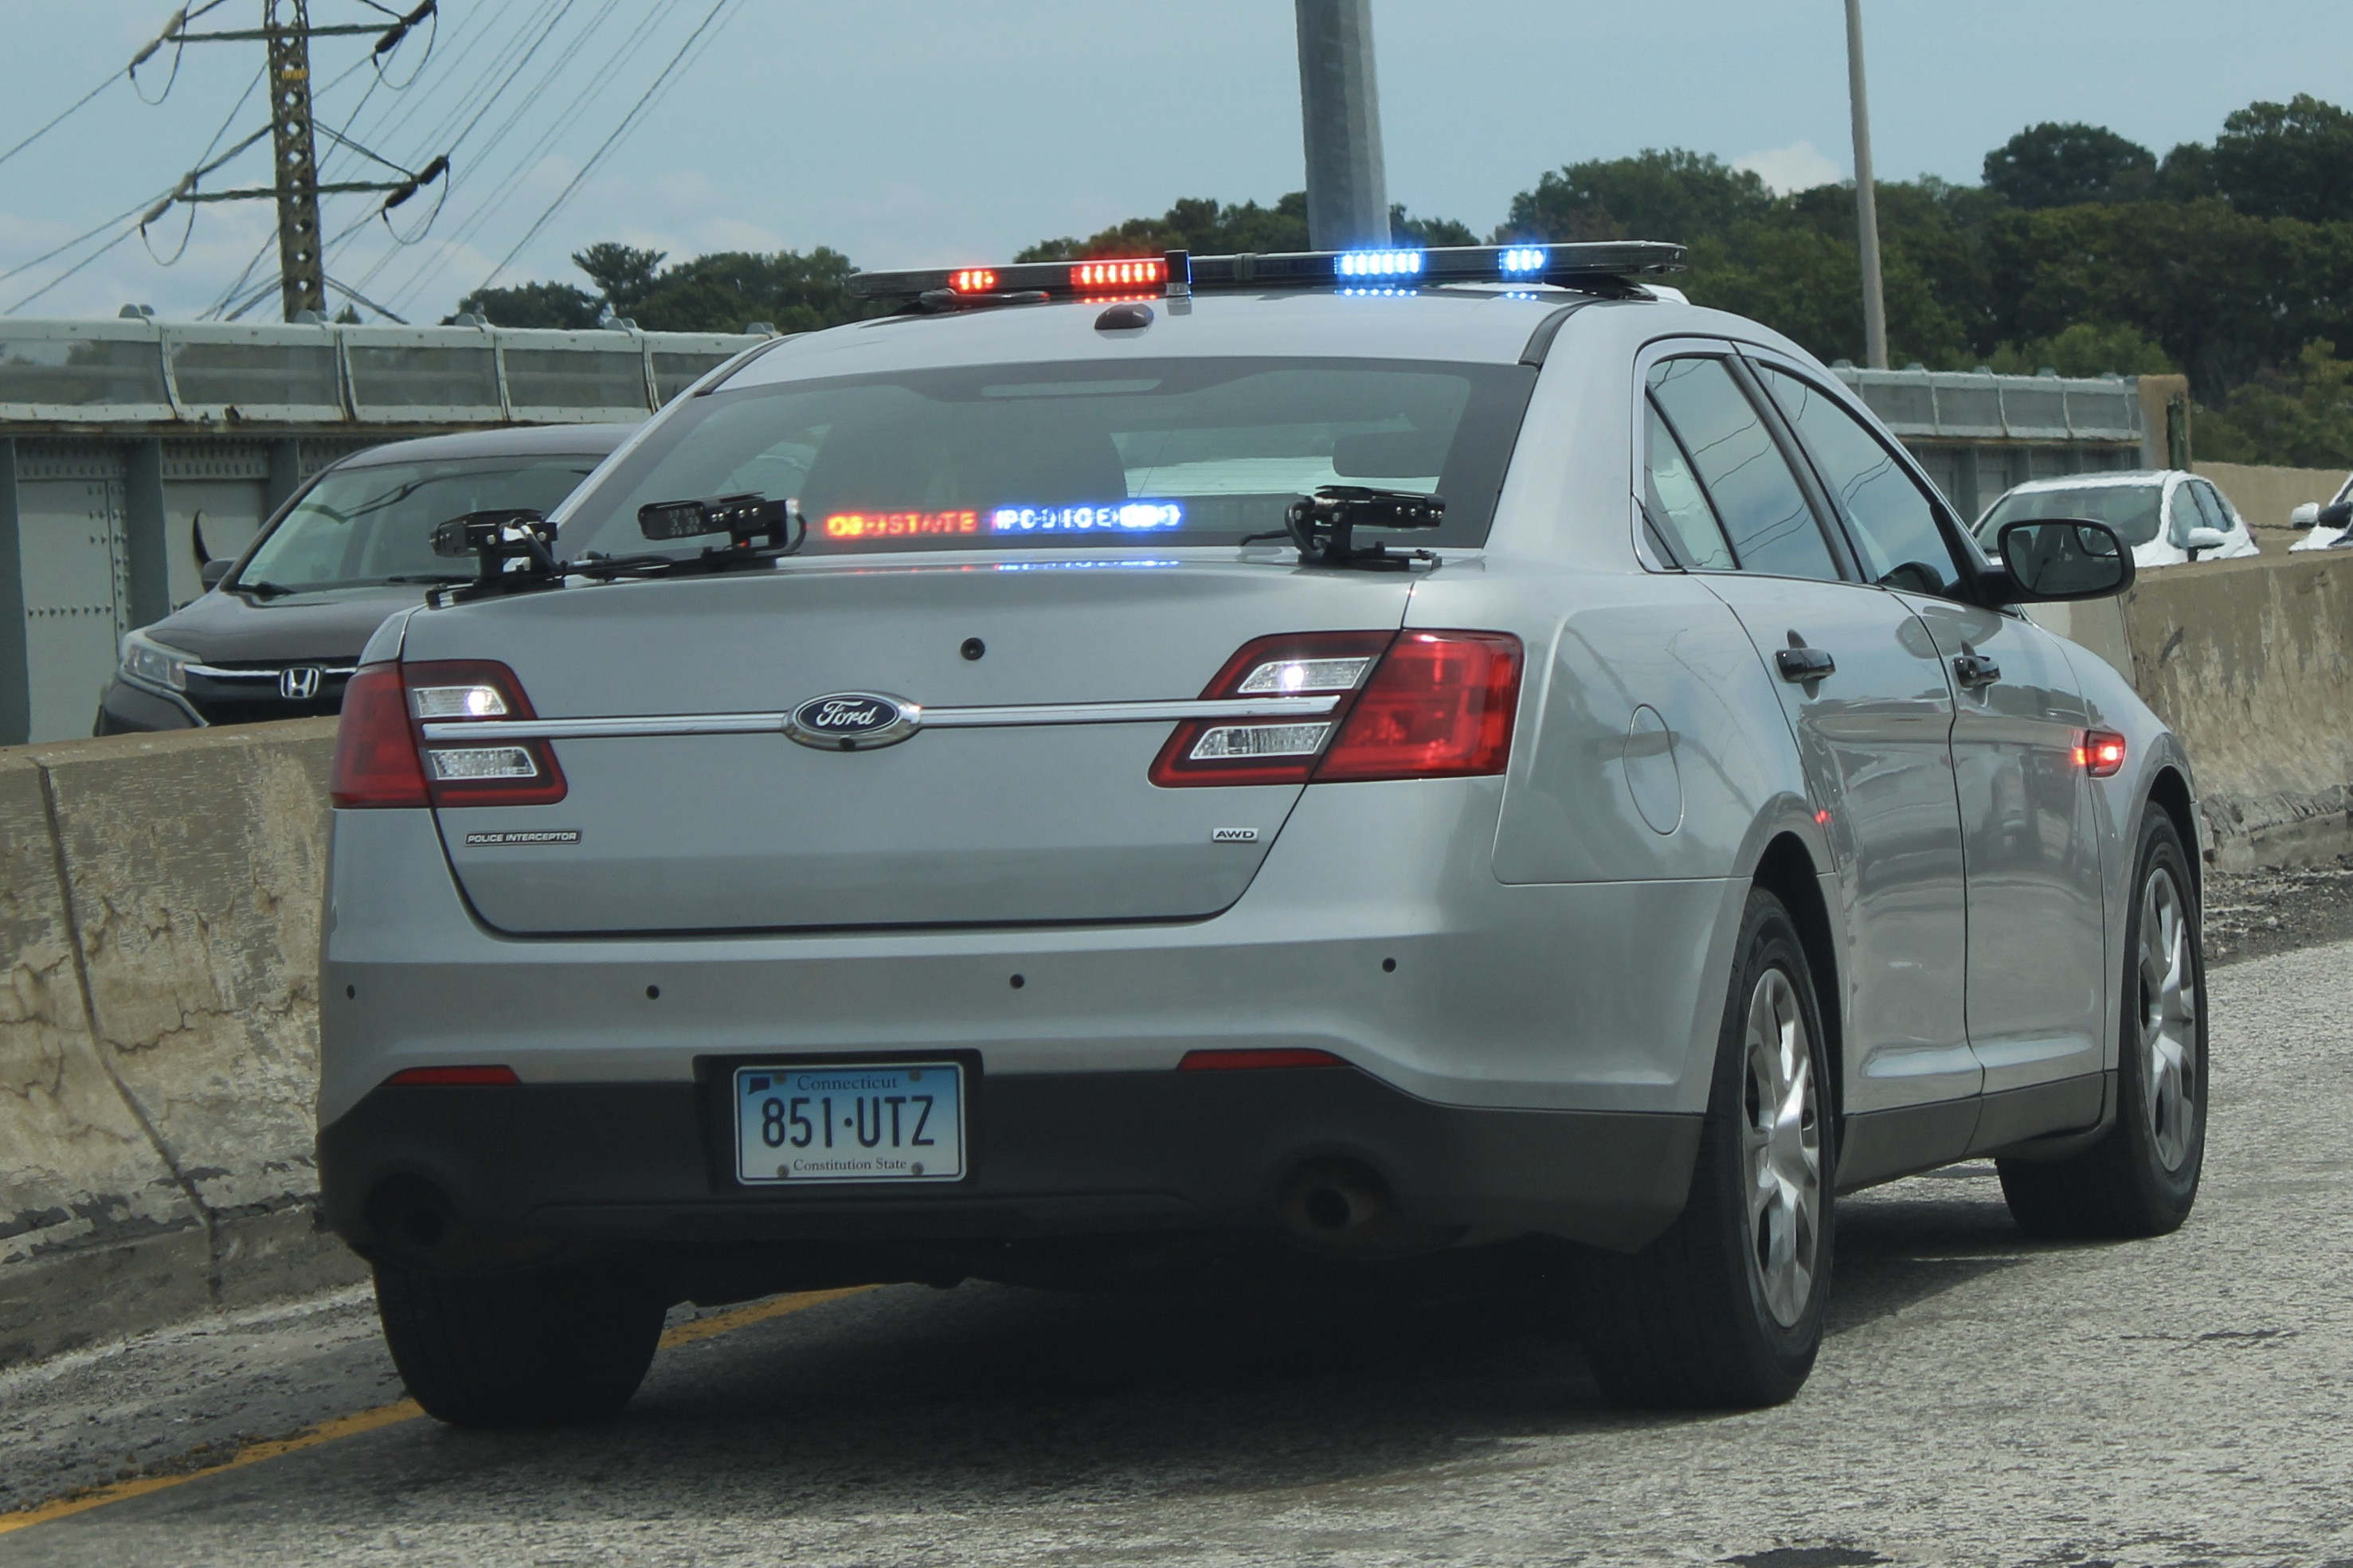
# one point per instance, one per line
(60, 119)
(627, 121)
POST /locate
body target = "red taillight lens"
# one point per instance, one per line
(1412, 705)
(383, 759)
(1440, 705)
(469, 1076)
(478, 770)
(2102, 754)
(376, 751)
(1275, 748)
(1247, 1061)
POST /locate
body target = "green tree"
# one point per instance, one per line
(624, 275)
(563, 305)
(1406, 229)
(1670, 194)
(2300, 417)
(726, 291)
(2085, 349)
(1197, 224)
(2056, 165)
(2287, 159)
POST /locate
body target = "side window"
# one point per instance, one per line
(1766, 518)
(1894, 522)
(1675, 493)
(2210, 502)
(2182, 516)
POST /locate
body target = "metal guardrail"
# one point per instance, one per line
(1979, 405)
(139, 371)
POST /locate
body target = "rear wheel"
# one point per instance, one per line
(2141, 1179)
(1725, 1309)
(517, 1349)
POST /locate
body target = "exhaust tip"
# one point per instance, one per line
(1337, 1202)
(410, 1216)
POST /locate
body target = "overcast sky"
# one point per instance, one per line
(913, 131)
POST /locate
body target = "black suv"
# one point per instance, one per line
(280, 627)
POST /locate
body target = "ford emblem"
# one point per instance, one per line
(853, 721)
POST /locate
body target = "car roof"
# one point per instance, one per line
(2105, 478)
(522, 441)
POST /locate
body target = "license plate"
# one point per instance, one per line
(898, 1122)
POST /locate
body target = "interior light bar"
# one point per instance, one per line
(1614, 266)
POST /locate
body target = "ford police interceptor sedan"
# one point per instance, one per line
(1154, 770)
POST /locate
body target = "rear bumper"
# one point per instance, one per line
(534, 1172)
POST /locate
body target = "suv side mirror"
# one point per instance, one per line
(2306, 516)
(2205, 539)
(211, 572)
(2052, 558)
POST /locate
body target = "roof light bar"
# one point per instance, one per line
(1613, 265)
(1377, 264)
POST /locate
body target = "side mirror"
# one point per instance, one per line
(2205, 539)
(2064, 558)
(211, 572)
(2306, 516)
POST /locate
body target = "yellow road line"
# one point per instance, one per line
(383, 1416)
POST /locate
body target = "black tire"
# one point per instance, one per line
(1690, 1321)
(2141, 1178)
(518, 1350)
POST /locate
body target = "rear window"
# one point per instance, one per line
(370, 525)
(2130, 509)
(1188, 451)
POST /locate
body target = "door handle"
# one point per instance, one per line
(1975, 670)
(1800, 664)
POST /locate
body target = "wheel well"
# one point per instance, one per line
(1787, 872)
(2170, 793)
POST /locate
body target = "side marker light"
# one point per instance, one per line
(2102, 754)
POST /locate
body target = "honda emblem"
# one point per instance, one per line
(300, 682)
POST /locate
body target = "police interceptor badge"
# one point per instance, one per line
(523, 835)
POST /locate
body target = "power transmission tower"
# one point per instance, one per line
(285, 28)
(301, 270)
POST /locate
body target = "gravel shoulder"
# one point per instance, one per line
(2254, 915)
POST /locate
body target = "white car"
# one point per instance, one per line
(2167, 516)
(2327, 527)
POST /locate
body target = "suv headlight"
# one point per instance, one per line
(151, 663)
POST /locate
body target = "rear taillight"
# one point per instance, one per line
(481, 769)
(1417, 704)
(376, 750)
(1439, 706)
(455, 1077)
(383, 759)
(1273, 748)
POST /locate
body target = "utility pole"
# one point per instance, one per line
(301, 270)
(285, 28)
(1866, 197)
(1340, 114)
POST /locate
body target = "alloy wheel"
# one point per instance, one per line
(1783, 1144)
(2168, 1020)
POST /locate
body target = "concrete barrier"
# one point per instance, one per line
(2265, 496)
(159, 1044)
(2251, 662)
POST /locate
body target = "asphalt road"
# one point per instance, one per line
(1982, 1399)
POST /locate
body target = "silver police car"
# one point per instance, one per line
(1178, 767)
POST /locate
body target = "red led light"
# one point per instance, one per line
(972, 280)
(897, 524)
(2102, 754)
(1236, 1061)
(1118, 274)
(459, 1077)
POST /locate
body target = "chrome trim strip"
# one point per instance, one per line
(927, 719)
(211, 672)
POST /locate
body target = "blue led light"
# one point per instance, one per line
(1389, 291)
(1521, 260)
(1122, 517)
(1378, 264)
